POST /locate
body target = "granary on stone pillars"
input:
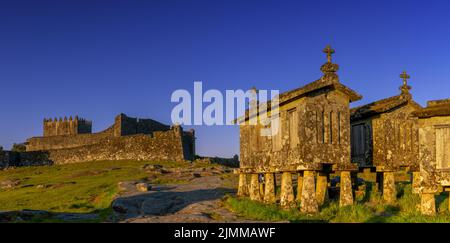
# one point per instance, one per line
(434, 152)
(384, 138)
(310, 138)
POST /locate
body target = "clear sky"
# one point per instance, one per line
(100, 58)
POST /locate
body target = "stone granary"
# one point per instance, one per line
(384, 138)
(70, 140)
(434, 152)
(313, 141)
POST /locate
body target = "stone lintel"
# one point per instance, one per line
(430, 190)
(367, 169)
(293, 169)
(386, 169)
(345, 167)
(413, 168)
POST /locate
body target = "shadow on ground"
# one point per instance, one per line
(164, 201)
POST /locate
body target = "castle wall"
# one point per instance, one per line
(65, 133)
(163, 146)
(129, 138)
(125, 125)
(66, 141)
(18, 159)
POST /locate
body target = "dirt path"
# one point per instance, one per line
(197, 201)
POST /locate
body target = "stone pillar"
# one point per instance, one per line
(261, 189)
(427, 204)
(299, 186)
(346, 192)
(309, 201)
(243, 185)
(415, 182)
(287, 199)
(269, 192)
(321, 188)
(254, 188)
(389, 191)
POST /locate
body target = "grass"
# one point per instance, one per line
(371, 209)
(73, 188)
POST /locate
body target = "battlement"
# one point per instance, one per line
(66, 126)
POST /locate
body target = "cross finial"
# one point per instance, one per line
(405, 78)
(329, 51)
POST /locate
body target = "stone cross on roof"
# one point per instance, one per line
(329, 51)
(405, 87)
(405, 78)
(329, 68)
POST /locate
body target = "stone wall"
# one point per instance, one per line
(163, 146)
(322, 132)
(396, 140)
(160, 146)
(66, 141)
(385, 134)
(19, 159)
(125, 125)
(432, 178)
(63, 134)
(127, 139)
(230, 162)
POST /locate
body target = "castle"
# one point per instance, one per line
(71, 140)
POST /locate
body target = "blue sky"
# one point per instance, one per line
(100, 58)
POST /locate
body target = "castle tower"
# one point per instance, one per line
(64, 126)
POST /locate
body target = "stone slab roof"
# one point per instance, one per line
(317, 85)
(434, 108)
(321, 84)
(382, 106)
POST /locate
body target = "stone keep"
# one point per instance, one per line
(434, 152)
(313, 136)
(71, 141)
(385, 136)
(58, 127)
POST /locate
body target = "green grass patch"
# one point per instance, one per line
(369, 210)
(75, 188)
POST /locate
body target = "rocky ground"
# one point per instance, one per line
(197, 200)
(165, 193)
